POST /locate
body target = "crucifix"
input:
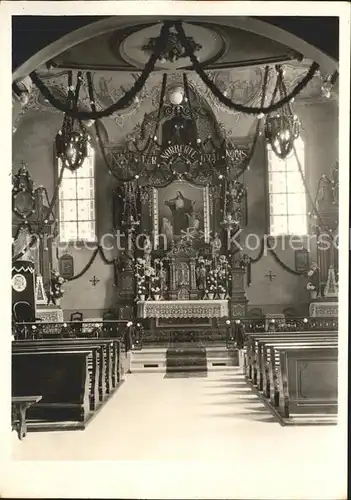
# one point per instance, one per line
(94, 281)
(270, 276)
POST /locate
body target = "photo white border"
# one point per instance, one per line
(167, 479)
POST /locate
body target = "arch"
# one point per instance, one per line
(250, 24)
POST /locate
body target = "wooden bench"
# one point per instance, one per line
(263, 368)
(104, 365)
(308, 380)
(61, 377)
(19, 407)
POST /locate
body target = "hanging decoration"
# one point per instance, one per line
(173, 49)
(130, 217)
(72, 140)
(282, 127)
(149, 67)
(124, 101)
(228, 102)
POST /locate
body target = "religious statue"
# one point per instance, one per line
(230, 225)
(147, 247)
(167, 231)
(201, 276)
(163, 279)
(216, 245)
(181, 209)
(325, 197)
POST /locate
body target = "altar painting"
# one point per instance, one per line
(181, 212)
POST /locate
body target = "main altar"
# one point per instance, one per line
(180, 203)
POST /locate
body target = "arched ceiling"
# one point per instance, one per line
(33, 33)
(113, 51)
(220, 47)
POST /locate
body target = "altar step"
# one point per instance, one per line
(153, 360)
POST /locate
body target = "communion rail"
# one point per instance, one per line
(232, 332)
(76, 329)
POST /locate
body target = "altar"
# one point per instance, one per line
(183, 309)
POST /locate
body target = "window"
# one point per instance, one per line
(287, 196)
(77, 201)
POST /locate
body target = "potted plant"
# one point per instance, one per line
(221, 292)
(155, 287)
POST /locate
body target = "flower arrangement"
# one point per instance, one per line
(56, 290)
(140, 277)
(313, 283)
(155, 285)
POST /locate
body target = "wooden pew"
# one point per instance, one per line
(261, 357)
(61, 377)
(94, 365)
(250, 355)
(308, 380)
(272, 385)
(274, 362)
(107, 359)
(19, 407)
(255, 363)
(104, 364)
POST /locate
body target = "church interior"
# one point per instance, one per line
(174, 242)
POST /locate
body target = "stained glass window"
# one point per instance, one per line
(77, 202)
(287, 194)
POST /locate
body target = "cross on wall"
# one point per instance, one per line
(94, 281)
(270, 275)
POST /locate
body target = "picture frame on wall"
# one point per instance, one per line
(180, 209)
(302, 260)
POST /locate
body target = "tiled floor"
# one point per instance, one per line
(213, 419)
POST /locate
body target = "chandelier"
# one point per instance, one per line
(282, 127)
(72, 140)
(173, 49)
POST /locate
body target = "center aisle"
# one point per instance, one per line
(216, 417)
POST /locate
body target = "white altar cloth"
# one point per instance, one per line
(182, 308)
(324, 309)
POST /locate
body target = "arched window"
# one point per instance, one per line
(287, 194)
(77, 202)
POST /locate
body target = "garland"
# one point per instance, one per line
(276, 258)
(258, 126)
(124, 100)
(98, 250)
(228, 102)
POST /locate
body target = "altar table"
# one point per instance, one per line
(183, 309)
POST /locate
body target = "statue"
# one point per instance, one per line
(163, 279)
(201, 276)
(216, 245)
(147, 247)
(167, 230)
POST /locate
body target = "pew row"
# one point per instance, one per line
(277, 364)
(75, 377)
